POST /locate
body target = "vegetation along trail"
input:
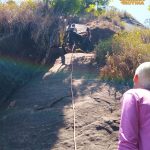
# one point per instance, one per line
(36, 111)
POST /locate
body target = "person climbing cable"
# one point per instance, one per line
(87, 40)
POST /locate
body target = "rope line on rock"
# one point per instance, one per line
(73, 101)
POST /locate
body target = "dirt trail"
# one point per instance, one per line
(40, 115)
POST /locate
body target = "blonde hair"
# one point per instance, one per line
(143, 72)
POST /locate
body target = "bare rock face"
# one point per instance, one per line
(40, 115)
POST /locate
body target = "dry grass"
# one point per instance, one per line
(115, 16)
(28, 21)
(25, 34)
(128, 50)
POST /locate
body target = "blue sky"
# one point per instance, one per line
(139, 12)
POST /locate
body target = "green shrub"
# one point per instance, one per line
(129, 49)
(102, 49)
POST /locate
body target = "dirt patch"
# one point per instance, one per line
(41, 116)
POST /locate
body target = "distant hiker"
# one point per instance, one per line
(72, 38)
(57, 52)
(72, 27)
(134, 132)
(62, 54)
(87, 40)
(88, 32)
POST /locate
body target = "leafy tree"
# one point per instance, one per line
(11, 2)
(96, 10)
(73, 6)
(68, 6)
(100, 2)
(30, 4)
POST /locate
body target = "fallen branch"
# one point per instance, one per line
(50, 105)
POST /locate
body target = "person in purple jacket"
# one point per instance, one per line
(134, 131)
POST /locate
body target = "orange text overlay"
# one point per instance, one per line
(132, 2)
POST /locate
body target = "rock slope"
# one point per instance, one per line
(40, 115)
